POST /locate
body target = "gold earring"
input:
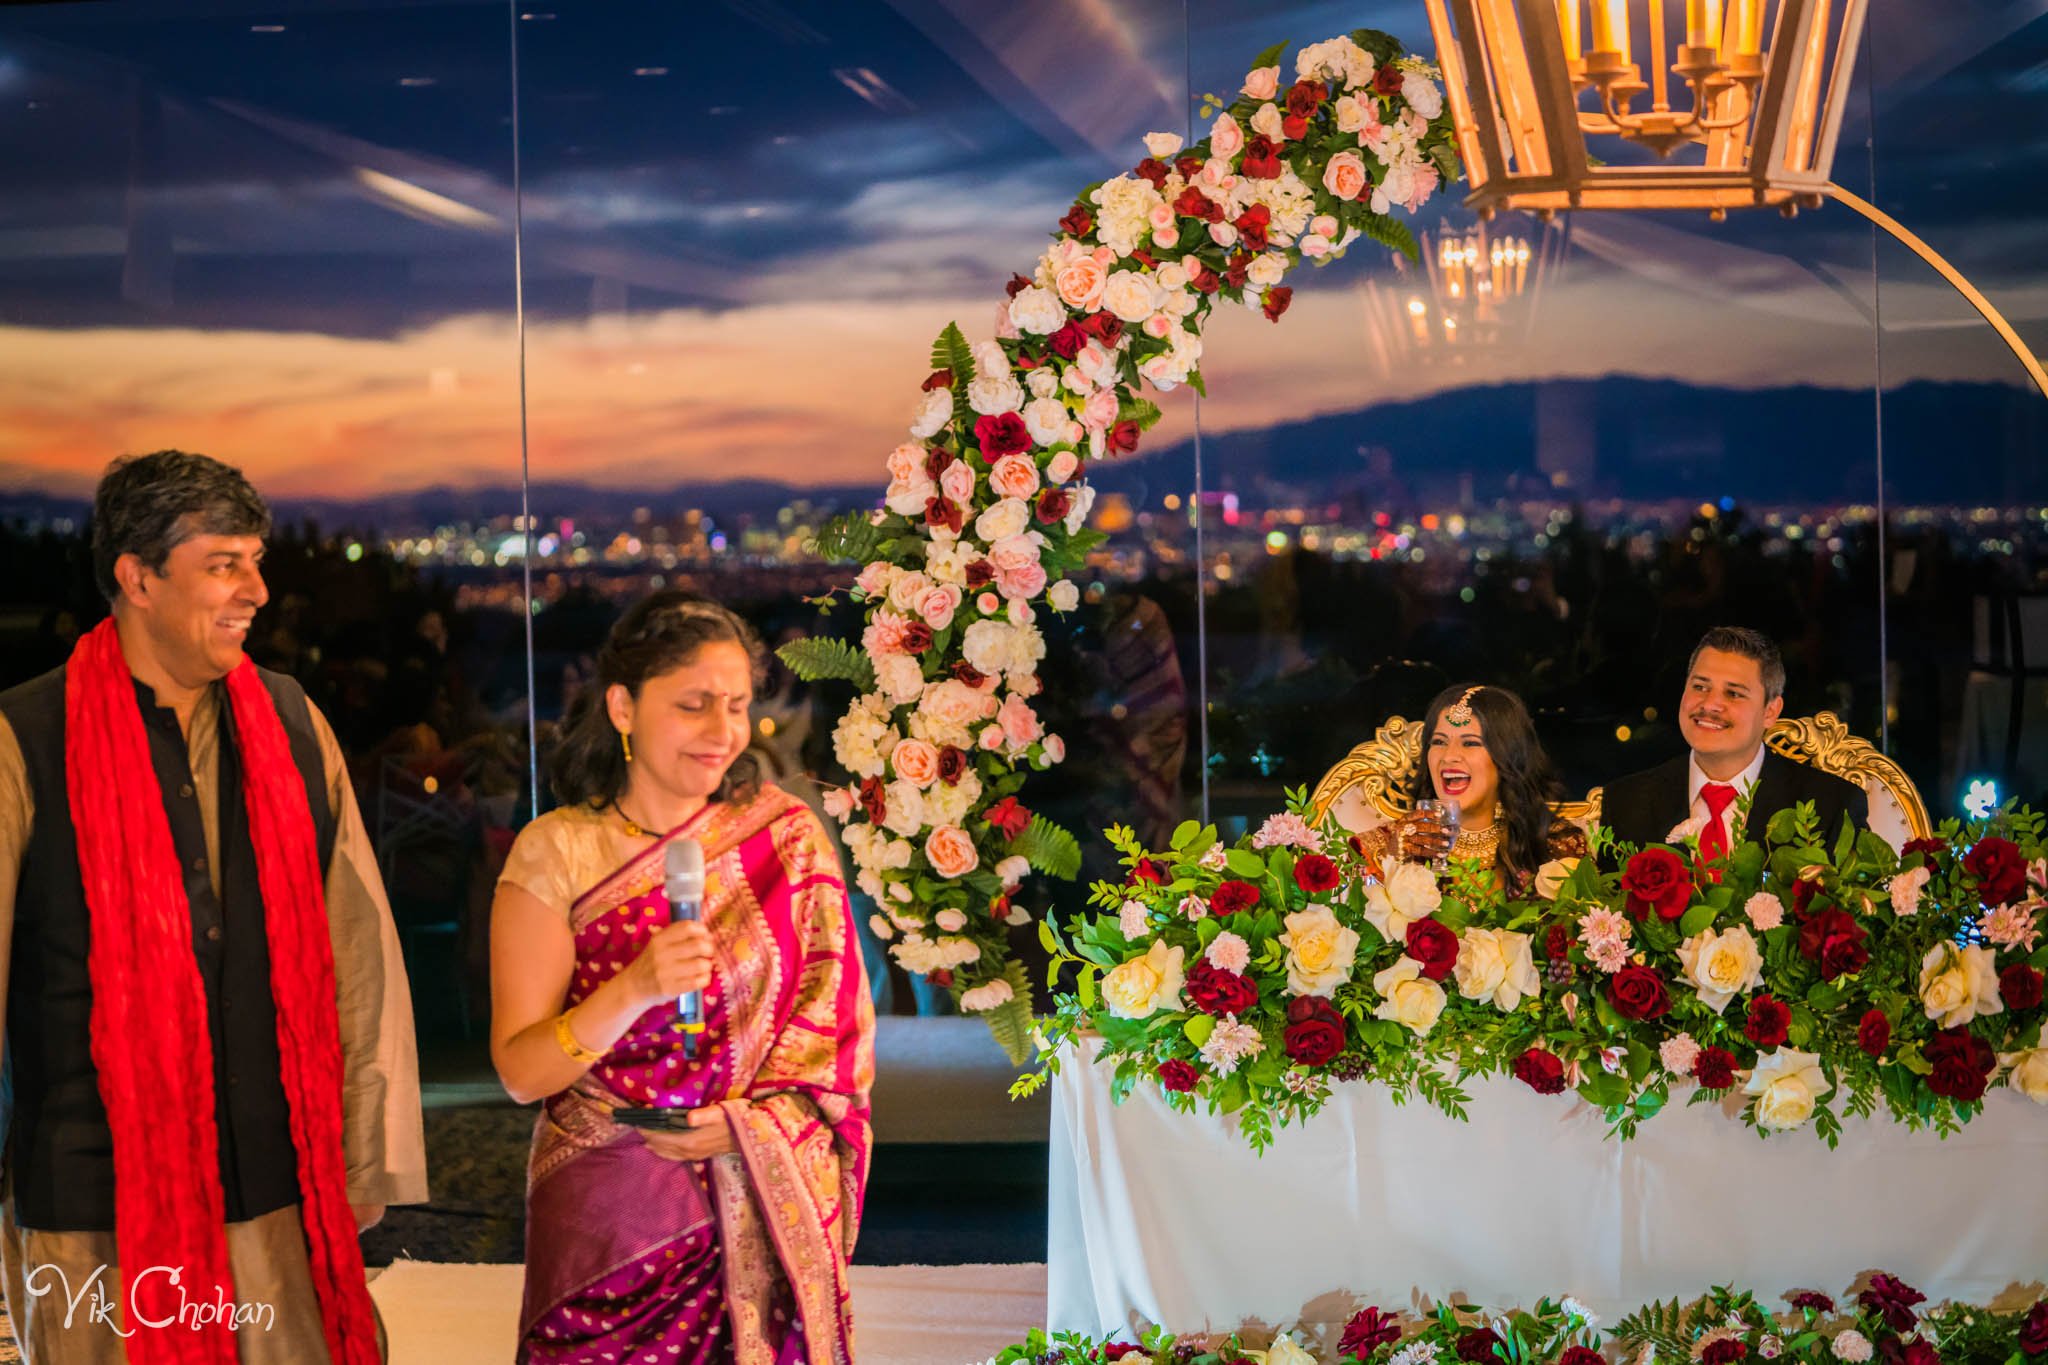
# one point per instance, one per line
(626, 744)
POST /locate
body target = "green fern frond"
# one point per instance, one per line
(1049, 848)
(818, 660)
(1390, 232)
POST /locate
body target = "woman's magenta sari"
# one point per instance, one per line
(741, 1258)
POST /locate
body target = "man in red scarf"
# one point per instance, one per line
(206, 1013)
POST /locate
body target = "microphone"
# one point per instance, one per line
(683, 884)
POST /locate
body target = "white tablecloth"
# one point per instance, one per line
(1164, 1217)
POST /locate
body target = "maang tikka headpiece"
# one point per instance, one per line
(1460, 712)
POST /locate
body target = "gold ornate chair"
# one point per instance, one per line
(1375, 782)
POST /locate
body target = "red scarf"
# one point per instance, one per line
(150, 1036)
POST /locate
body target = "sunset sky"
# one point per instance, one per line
(736, 259)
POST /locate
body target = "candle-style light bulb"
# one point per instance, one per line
(1746, 27)
(1610, 27)
(1568, 26)
(1703, 23)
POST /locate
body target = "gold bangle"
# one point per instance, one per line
(566, 1036)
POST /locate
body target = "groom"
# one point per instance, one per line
(1734, 689)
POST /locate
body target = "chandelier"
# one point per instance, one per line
(1478, 288)
(1699, 104)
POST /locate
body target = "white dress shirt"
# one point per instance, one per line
(1743, 782)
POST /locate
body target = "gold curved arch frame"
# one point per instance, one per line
(1385, 768)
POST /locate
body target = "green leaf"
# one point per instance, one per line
(1143, 411)
(1186, 830)
(853, 537)
(1605, 1090)
(1270, 57)
(1049, 848)
(1245, 863)
(1198, 1028)
(1011, 1021)
(1206, 931)
(951, 352)
(816, 660)
(1695, 920)
(1391, 233)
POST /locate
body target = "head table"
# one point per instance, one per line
(1163, 1217)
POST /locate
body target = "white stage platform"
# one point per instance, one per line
(903, 1315)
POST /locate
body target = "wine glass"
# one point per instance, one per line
(1443, 817)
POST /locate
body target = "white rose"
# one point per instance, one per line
(1283, 1351)
(952, 921)
(1262, 83)
(933, 413)
(1551, 877)
(1162, 145)
(1786, 1083)
(1004, 518)
(2029, 1072)
(1266, 123)
(987, 997)
(1409, 998)
(1722, 966)
(1131, 295)
(948, 803)
(1143, 986)
(1077, 516)
(1319, 951)
(1046, 419)
(900, 677)
(1407, 892)
(1063, 595)
(1958, 984)
(905, 589)
(991, 395)
(906, 814)
(989, 358)
(908, 497)
(1350, 114)
(1266, 269)
(1422, 94)
(1013, 870)
(1043, 382)
(880, 927)
(1038, 311)
(1498, 965)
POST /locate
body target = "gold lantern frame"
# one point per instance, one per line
(1768, 120)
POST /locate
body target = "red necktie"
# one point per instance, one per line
(1719, 796)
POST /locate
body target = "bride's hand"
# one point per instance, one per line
(1421, 837)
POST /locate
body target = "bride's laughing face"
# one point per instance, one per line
(1461, 769)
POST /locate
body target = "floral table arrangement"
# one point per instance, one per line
(1884, 1319)
(1809, 978)
(984, 515)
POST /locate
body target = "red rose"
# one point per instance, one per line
(1121, 438)
(1178, 1076)
(1232, 897)
(1315, 874)
(1068, 341)
(1275, 302)
(1152, 169)
(1541, 1071)
(1807, 1298)
(1368, 1330)
(2034, 1330)
(936, 461)
(938, 379)
(1236, 269)
(1581, 1355)
(2000, 871)
(1148, 871)
(1292, 128)
(2019, 986)
(917, 638)
(1105, 327)
(1714, 1068)
(1557, 943)
(1929, 847)
(1962, 1066)
(874, 799)
(1205, 280)
(1768, 1022)
(944, 512)
(1052, 506)
(1315, 1031)
(1802, 896)
(1874, 1032)
(1000, 435)
(1261, 160)
(1637, 992)
(1834, 939)
(1017, 285)
(1216, 991)
(1305, 97)
(1009, 817)
(1252, 226)
(1892, 1299)
(999, 908)
(1192, 203)
(964, 671)
(1914, 1352)
(1433, 945)
(1078, 221)
(1117, 1350)
(1476, 1346)
(942, 978)
(980, 573)
(952, 765)
(1657, 879)
(1388, 81)
(1725, 1351)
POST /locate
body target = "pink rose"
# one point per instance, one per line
(1223, 234)
(1314, 247)
(1159, 326)
(1021, 584)
(1226, 139)
(1099, 412)
(1262, 84)
(1345, 176)
(937, 605)
(991, 738)
(885, 635)
(916, 762)
(1019, 722)
(838, 803)
(1014, 476)
(957, 482)
(874, 579)
(989, 603)
(950, 851)
(906, 462)
(1063, 466)
(1081, 278)
(1323, 225)
(1055, 749)
(1166, 236)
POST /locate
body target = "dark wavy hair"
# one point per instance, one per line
(1527, 783)
(149, 505)
(658, 634)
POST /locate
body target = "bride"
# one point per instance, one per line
(1481, 753)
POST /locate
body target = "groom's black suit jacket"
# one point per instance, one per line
(1643, 807)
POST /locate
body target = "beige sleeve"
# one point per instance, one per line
(549, 863)
(17, 816)
(382, 1139)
